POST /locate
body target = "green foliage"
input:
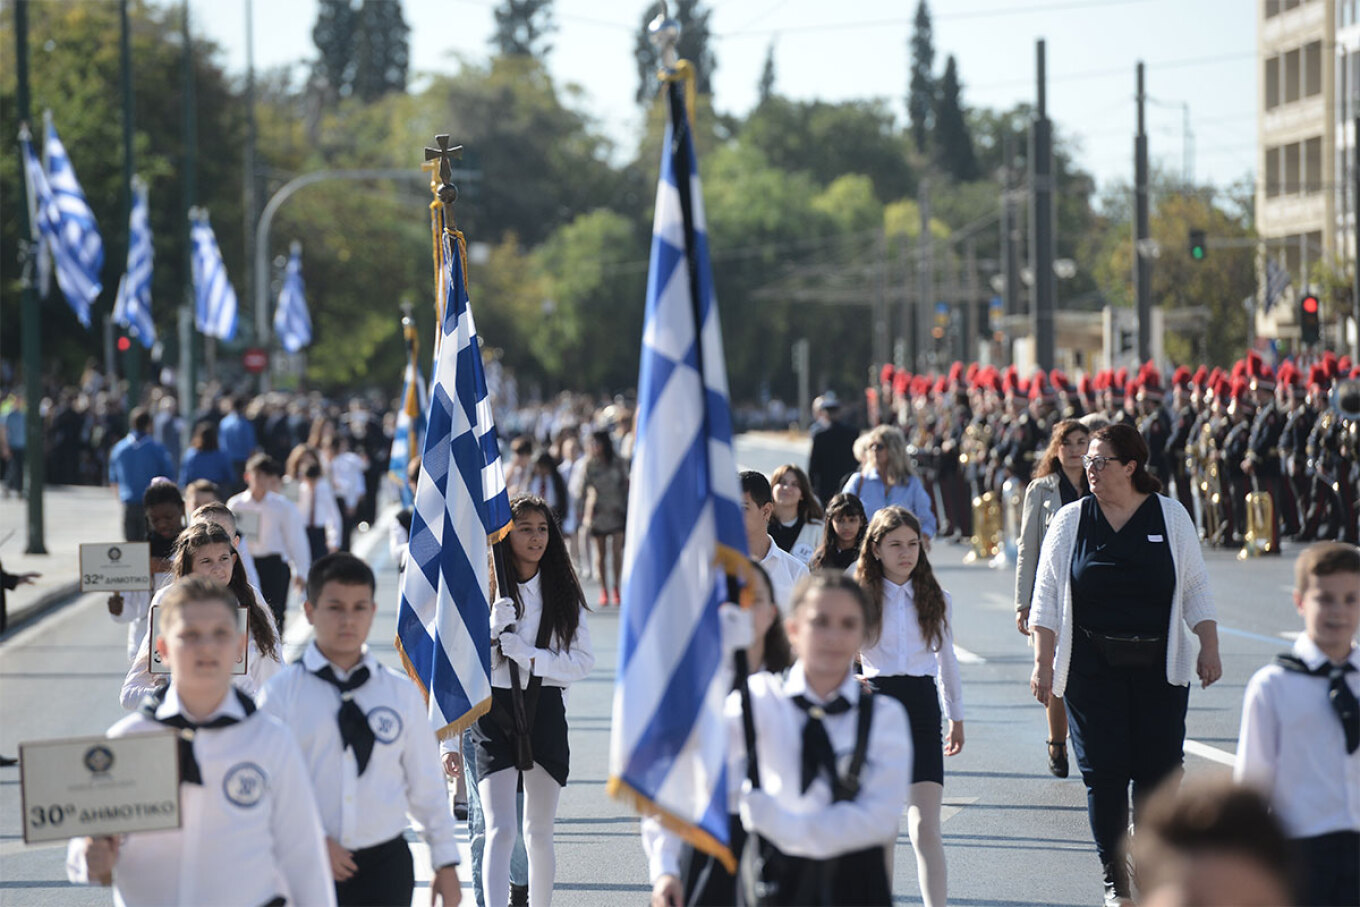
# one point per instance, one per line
(364, 52)
(692, 46)
(336, 24)
(953, 142)
(522, 28)
(922, 90)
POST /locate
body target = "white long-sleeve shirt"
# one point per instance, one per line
(248, 833)
(558, 666)
(808, 824)
(325, 512)
(784, 571)
(403, 776)
(136, 608)
(282, 529)
(902, 650)
(1292, 747)
(347, 474)
(259, 667)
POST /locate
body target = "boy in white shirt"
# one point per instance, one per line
(280, 540)
(784, 570)
(368, 745)
(249, 833)
(1300, 737)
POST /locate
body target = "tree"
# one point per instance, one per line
(693, 46)
(953, 141)
(382, 50)
(921, 91)
(337, 24)
(522, 27)
(766, 86)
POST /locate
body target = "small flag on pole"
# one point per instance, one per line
(214, 298)
(1277, 279)
(132, 308)
(461, 509)
(409, 434)
(291, 321)
(685, 533)
(78, 269)
(77, 285)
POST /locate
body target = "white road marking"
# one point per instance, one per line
(966, 657)
(1212, 753)
(952, 806)
(1246, 634)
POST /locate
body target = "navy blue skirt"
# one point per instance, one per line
(920, 698)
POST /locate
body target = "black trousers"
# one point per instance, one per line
(1331, 869)
(274, 578)
(134, 521)
(386, 876)
(1128, 726)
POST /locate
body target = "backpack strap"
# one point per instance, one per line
(847, 788)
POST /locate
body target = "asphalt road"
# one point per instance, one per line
(1013, 833)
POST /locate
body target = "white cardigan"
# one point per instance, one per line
(1191, 603)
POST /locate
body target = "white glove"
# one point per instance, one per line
(760, 812)
(738, 628)
(502, 615)
(517, 650)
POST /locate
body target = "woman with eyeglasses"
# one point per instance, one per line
(1058, 481)
(886, 476)
(1120, 581)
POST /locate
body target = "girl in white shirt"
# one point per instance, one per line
(546, 595)
(909, 645)
(205, 549)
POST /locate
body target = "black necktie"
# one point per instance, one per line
(818, 754)
(354, 729)
(1343, 700)
(189, 772)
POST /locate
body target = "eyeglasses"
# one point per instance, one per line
(1097, 464)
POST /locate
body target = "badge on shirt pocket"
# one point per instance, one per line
(385, 723)
(245, 784)
(1157, 539)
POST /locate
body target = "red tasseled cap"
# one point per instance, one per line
(885, 376)
(1061, 383)
(1039, 388)
(1239, 368)
(1201, 376)
(955, 372)
(942, 385)
(1181, 377)
(972, 373)
(1318, 377)
(1151, 383)
(1344, 365)
(1084, 385)
(901, 382)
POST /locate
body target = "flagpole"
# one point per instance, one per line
(32, 312)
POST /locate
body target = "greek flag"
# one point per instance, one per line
(77, 285)
(291, 321)
(1277, 279)
(214, 299)
(461, 509)
(82, 248)
(132, 308)
(685, 534)
(410, 429)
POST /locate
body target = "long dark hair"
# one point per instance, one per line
(927, 596)
(843, 504)
(606, 442)
(200, 535)
(1051, 459)
(809, 508)
(563, 598)
(777, 654)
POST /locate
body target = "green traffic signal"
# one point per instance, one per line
(1199, 249)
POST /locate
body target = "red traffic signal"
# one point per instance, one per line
(124, 344)
(1310, 320)
(1310, 304)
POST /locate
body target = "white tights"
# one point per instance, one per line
(923, 824)
(540, 809)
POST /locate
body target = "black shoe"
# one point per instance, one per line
(519, 895)
(1057, 758)
(460, 811)
(8, 760)
(1117, 885)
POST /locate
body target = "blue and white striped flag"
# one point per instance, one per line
(409, 434)
(132, 308)
(214, 298)
(47, 234)
(461, 509)
(1277, 279)
(291, 321)
(685, 534)
(81, 255)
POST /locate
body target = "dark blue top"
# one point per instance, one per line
(134, 462)
(236, 436)
(1123, 582)
(213, 465)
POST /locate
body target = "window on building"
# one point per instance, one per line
(1313, 245)
(1291, 76)
(1293, 255)
(1291, 169)
(1312, 165)
(1272, 83)
(1312, 69)
(1289, 4)
(1272, 172)
(1272, 8)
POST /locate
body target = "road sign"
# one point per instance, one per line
(255, 360)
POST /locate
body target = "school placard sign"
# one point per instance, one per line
(248, 524)
(115, 567)
(156, 666)
(99, 786)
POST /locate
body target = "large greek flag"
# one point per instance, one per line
(461, 509)
(214, 298)
(685, 534)
(132, 308)
(81, 255)
(291, 321)
(409, 434)
(48, 235)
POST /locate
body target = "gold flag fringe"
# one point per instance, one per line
(693, 834)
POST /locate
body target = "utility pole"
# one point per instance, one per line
(32, 313)
(1041, 220)
(249, 183)
(925, 276)
(1355, 236)
(970, 307)
(132, 359)
(1142, 270)
(1010, 233)
(188, 364)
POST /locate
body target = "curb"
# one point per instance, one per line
(48, 601)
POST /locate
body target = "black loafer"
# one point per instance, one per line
(1057, 758)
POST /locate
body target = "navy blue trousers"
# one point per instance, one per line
(1128, 727)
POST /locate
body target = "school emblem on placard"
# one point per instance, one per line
(386, 724)
(99, 759)
(245, 784)
(115, 554)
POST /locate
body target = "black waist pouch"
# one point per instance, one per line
(1129, 650)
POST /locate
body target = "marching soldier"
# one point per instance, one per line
(1183, 417)
(1262, 462)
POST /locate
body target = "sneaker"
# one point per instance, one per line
(617, 599)
(604, 599)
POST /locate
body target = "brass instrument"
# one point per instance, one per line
(1210, 483)
(987, 536)
(1259, 538)
(1345, 399)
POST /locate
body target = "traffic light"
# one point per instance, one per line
(1310, 319)
(1199, 248)
(124, 344)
